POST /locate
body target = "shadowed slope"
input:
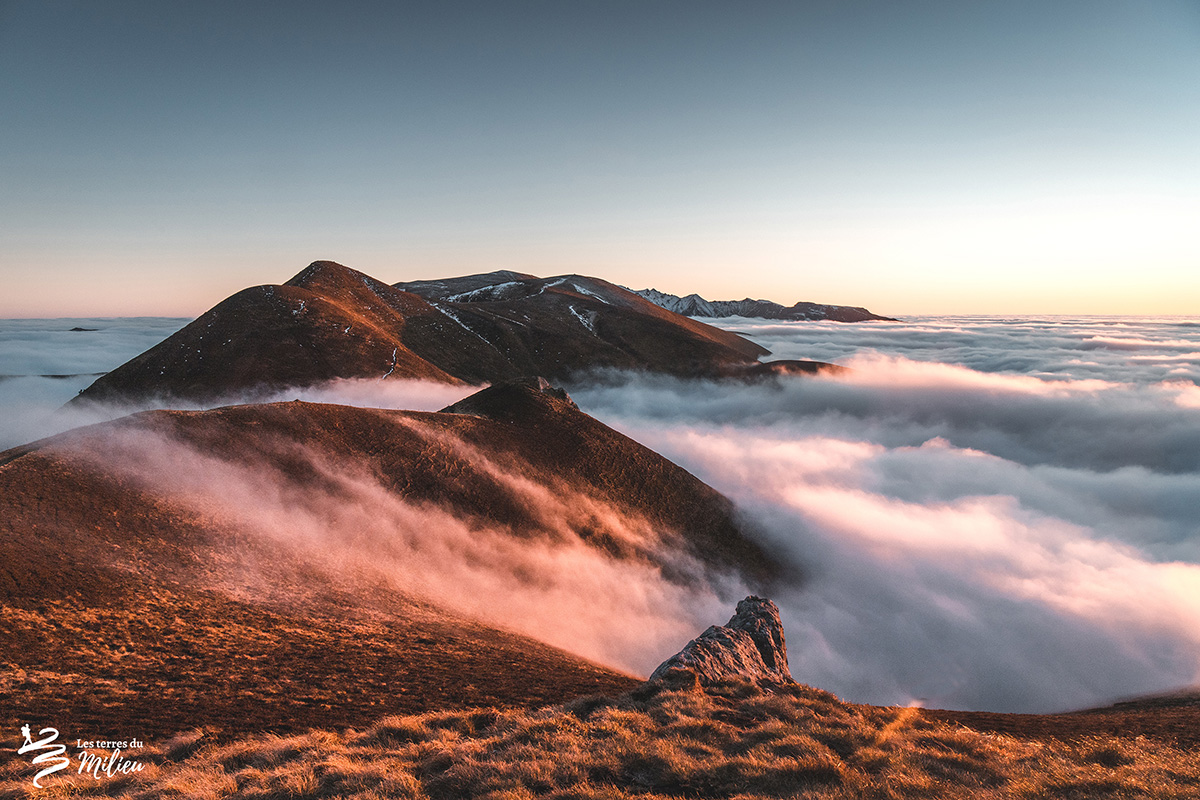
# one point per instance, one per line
(480, 457)
(565, 325)
(542, 427)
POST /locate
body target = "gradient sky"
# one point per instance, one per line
(917, 157)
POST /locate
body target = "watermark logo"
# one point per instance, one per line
(53, 755)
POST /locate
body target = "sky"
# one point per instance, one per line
(915, 158)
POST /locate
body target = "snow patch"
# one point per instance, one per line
(461, 324)
(587, 322)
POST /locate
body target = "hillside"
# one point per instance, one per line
(281, 566)
(327, 322)
(766, 738)
(569, 324)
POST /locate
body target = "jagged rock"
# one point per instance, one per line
(750, 647)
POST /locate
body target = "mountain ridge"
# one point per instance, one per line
(332, 322)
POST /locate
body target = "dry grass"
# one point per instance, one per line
(736, 741)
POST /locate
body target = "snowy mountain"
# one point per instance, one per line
(696, 306)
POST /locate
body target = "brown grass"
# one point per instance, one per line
(158, 657)
(735, 741)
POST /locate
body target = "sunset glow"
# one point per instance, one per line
(1012, 158)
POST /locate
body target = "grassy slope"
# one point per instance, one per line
(734, 741)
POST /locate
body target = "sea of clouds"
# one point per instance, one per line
(998, 514)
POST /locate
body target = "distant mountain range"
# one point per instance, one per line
(696, 306)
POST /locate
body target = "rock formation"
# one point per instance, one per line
(750, 647)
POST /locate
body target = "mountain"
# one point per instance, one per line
(330, 322)
(327, 322)
(452, 286)
(563, 326)
(537, 317)
(696, 306)
(288, 565)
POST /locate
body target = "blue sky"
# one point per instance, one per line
(914, 158)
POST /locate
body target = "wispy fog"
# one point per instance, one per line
(990, 514)
(341, 523)
(975, 537)
(43, 364)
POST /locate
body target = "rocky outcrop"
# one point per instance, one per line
(750, 647)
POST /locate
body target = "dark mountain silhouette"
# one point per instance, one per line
(569, 324)
(134, 596)
(334, 322)
(693, 305)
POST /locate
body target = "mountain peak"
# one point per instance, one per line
(333, 322)
(330, 276)
(320, 269)
(518, 399)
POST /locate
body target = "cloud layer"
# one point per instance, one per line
(972, 538)
(1141, 350)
